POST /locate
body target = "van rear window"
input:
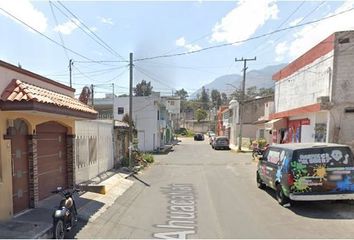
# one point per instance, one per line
(329, 156)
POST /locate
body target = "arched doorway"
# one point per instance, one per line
(51, 155)
(20, 167)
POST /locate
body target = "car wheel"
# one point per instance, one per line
(281, 198)
(260, 183)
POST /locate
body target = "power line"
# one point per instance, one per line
(102, 43)
(244, 40)
(50, 39)
(280, 25)
(116, 77)
(59, 33)
(146, 73)
(103, 71)
(281, 36)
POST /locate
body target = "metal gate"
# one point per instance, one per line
(51, 154)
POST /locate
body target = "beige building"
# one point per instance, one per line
(37, 122)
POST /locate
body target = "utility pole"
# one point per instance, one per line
(71, 62)
(113, 102)
(130, 109)
(244, 60)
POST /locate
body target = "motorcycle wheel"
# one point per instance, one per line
(58, 229)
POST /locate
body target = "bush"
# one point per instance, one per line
(261, 143)
(148, 157)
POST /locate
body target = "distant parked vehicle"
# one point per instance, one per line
(307, 172)
(221, 142)
(199, 137)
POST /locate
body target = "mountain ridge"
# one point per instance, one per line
(261, 78)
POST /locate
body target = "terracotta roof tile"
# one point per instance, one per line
(22, 91)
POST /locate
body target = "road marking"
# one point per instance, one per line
(182, 212)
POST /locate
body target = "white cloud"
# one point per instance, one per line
(68, 27)
(181, 42)
(106, 20)
(244, 20)
(310, 35)
(25, 11)
(296, 21)
(281, 50)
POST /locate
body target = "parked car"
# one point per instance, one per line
(307, 172)
(199, 137)
(212, 138)
(221, 142)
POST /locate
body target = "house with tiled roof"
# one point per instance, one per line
(37, 127)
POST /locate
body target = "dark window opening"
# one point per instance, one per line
(349, 110)
(120, 110)
(344, 40)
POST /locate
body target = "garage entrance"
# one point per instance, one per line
(51, 155)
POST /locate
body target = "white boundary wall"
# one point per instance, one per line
(93, 149)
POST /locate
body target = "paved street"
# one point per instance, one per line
(197, 192)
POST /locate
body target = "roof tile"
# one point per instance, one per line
(21, 91)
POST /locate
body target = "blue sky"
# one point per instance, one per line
(156, 28)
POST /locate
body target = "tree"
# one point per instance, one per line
(252, 92)
(216, 98)
(204, 99)
(126, 119)
(200, 114)
(266, 92)
(183, 94)
(143, 88)
(224, 99)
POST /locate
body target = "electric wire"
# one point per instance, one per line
(244, 40)
(101, 42)
(264, 50)
(147, 74)
(59, 33)
(45, 36)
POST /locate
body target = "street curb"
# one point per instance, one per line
(45, 234)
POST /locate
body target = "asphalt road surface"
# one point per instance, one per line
(198, 192)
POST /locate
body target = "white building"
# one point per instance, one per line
(173, 107)
(314, 95)
(146, 117)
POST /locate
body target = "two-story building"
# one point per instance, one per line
(146, 118)
(314, 95)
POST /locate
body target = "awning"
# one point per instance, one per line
(276, 124)
(20, 95)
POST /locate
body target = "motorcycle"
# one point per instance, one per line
(65, 216)
(258, 152)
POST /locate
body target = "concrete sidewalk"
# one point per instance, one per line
(243, 149)
(37, 223)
